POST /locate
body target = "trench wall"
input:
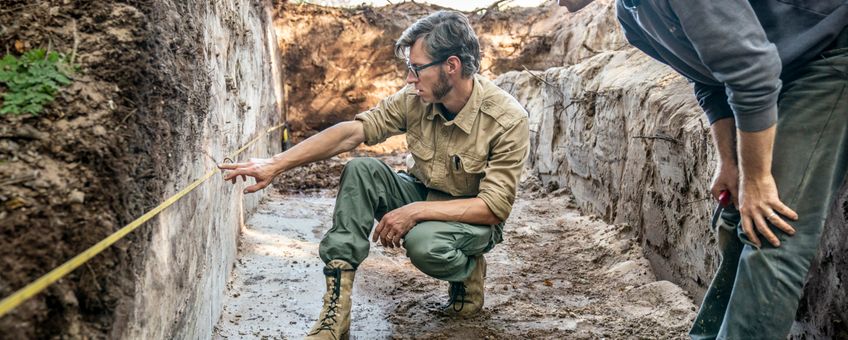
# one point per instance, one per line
(192, 245)
(622, 133)
(349, 72)
(625, 135)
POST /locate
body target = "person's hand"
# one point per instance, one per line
(760, 203)
(261, 169)
(726, 178)
(394, 225)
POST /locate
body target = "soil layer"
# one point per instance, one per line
(94, 159)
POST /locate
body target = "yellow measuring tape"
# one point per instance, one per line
(59, 272)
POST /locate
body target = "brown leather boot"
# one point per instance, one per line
(466, 298)
(334, 321)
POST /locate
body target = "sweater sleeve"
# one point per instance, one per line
(713, 101)
(732, 44)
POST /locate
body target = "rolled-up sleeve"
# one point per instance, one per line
(509, 151)
(731, 43)
(386, 119)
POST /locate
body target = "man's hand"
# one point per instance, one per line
(759, 201)
(263, 170)
(394, 225)
(726, 178)
(334, 140)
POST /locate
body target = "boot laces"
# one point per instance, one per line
(456, 296)
(332, 310)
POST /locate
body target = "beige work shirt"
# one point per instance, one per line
(480, 152)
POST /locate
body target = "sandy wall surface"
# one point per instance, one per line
(193, 245)
(617, 132)
(340, 61)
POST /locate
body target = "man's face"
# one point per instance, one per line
(432, 83)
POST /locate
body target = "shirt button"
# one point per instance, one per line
(444, 133)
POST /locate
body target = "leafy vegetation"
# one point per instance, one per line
(32, 80)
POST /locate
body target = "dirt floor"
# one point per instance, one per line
(557, 275)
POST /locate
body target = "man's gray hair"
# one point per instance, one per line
(445, 34)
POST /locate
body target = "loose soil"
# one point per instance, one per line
(557, 275)
(96, 158)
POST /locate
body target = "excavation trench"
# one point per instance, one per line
(558, 274)
(608, 237)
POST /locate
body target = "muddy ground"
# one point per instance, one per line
(557, 275)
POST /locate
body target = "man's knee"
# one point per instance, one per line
(778, 267)
(360, 164)
(429, 254)
(360, 169)
(431, 260)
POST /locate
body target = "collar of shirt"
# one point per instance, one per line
(466, 117)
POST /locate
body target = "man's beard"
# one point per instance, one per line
(442, 87)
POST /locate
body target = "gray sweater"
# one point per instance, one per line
(735, 51)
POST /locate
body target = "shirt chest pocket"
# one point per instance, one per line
(466, 172)
(422, 154)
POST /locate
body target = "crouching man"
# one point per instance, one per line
(469, 140)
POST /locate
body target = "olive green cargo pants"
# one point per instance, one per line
(755, 293)
(369, 189)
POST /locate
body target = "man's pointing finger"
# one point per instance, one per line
(231, 175)
(232, 166)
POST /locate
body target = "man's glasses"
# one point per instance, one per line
(415, 69)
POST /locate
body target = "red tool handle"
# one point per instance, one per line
(724, 198)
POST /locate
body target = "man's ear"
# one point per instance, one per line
(454, 64)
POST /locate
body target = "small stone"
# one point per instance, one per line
(76, 196)
(61, 124)
(99, 130)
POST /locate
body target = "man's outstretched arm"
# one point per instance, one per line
(339, 138)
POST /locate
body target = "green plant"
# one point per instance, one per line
(32, 80)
